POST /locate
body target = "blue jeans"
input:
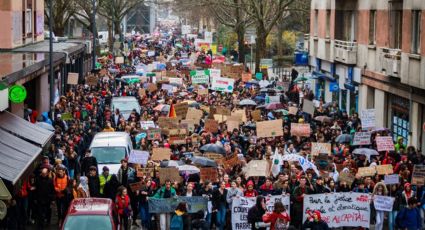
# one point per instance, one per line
(221, 217)
(71, 173)
(208, 219)
(391, 219)
(145, 216)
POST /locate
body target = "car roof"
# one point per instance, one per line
(104, 139)
(95, 206)
(126, 98)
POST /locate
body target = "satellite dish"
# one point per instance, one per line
(3, 210)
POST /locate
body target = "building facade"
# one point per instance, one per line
(371, 54)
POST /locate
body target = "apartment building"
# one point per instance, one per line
(371, 54)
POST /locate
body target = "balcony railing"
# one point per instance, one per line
(391, 61)
(346, 52)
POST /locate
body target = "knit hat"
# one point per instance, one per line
(249, 183)
(407, 185)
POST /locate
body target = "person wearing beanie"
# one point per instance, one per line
(314, 221)
(407, 194)
(104, 178)
(250, 191)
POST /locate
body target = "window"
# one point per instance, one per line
(372, 27)
(316, 23)
(416, 32)
(396, 22)
(328, 23)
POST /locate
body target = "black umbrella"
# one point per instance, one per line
(213, 148)
(203, 161)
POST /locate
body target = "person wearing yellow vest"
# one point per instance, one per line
(104, 178)
(61, 183)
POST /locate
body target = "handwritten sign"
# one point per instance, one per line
(199, 77)
(213, 156)
(230, 161)
(308, 107)
(154, 134)
(368, 119)
(169, 174)
(194, 114)
(240, 114)
(203, 91)
(211, 126)
(138, 157)
(256, 168)
(188, 124)
(148, 172)
(317, 148)
(347, 177)
(160, 154)
(340, 209)
(246, 77)
(256, 115)
(181, 109)
(292, 110)
(273, 128)
(383, 203)
(418, 175)
(362, 138)
(222, 110)
(119, 60)
(72, 78)
(392, 179)
(91, 80)
(222, 84)
(215, 72)
(231, 125)
(301, 130)
(168, 123)
(177, 136)
(209, 174)
(384, 143)
(384, 169)
(366, 171)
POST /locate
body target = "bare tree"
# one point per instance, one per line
(83, 13)
(62, 11)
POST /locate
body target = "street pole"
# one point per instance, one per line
(94, 35)
(51, 70)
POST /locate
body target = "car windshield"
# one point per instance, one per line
(108, 155)
(126, 105)
(88, 222)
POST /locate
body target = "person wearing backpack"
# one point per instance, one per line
(409, 218)
(278, 219)
(178, 219)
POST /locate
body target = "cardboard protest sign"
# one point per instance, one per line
(222, 84)
(209, 174)
(317, 148)
(361, 138)
(357, 215)
(211, 126)
(213, 156)
(168, 122)
(222, 110)
(177, 136)
(308, 107)
(138, 157)
(181, 109)
(169, 174)
(154, 134)
(301, 130)
(272, 128)
(383, 203)
(215, 72)
(199, 77)
(72, 79)
(347, 177)
(230, 161)
(283, 85)
(194, 114)
(384, 169)
(175, 80)
(384, 143)
(368, 119)
(152, 87)
(203, 92)
(256, 168)
(246, 77)
(391, 179)
(366, 171)
(231, 125)
(292, 110)
(147, 124)
(91, 80)
(141, 92)
(159, 154)
(220, 118)
(119, 60)
(148, 172)
(418, 175)
(256, 115)
(188, 124)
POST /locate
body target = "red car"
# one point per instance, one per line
(91, 214)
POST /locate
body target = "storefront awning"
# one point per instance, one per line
(16, 156)
(322, 76)
(22, 128)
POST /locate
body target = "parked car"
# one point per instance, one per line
(125, 105)
(110, 148)
(91, 214)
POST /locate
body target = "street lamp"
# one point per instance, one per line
(51, 71)
(94, 34)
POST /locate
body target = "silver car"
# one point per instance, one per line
(125, 105)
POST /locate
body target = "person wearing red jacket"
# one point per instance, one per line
(123, 207)
(279, 218)
(267, 188)
(250, 191)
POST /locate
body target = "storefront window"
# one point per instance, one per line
(400, 118)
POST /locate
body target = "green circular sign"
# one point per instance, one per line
(17, 93)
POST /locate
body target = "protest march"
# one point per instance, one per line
(179, 137)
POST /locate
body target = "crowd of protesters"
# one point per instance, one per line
(68, 169)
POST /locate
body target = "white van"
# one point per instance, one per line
(110, 148)
(125, 105)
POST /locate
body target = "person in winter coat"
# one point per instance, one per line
(232, 193)
(278, 219)
(410, 218)
(315, 222)
(165, 192)
(104, 178)
(111, 187)
(94, 182)
(126, 175)
(88, 161)
(123, 207)
(250, 191)
(83, 190)
(407, 194)
(255, 214)
(219, 203)
(381, 190)
(267, 187)
(298, 197)
(61, 183)
(44, 194)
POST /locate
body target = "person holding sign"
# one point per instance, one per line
(381, 190)
(255, 214)
(279, 218)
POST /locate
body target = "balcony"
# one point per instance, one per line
(345, 52)
(390, 62)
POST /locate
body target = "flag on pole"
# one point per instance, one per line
(276, 163)
(172, 112)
